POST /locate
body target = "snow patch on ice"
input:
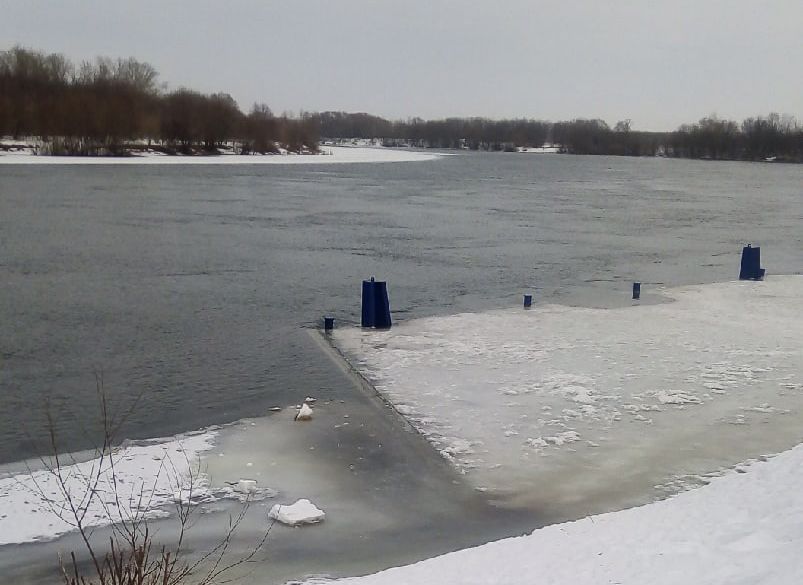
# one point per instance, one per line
(149, 475)
(676, 397)
(557, 440)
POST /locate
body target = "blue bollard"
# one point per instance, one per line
(528, 301)
(381, 306)
(328, 323)
(375, 304)
(636, 291)
(751, 264)
(368, 310)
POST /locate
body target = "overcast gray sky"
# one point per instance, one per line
(660, 63)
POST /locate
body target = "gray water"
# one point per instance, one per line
(189, 287)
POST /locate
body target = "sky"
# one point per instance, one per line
(658, 63)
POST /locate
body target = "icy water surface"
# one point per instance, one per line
(189, 285)
(193, 289)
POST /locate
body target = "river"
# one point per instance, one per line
(190, 290)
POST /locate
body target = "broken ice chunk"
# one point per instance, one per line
(302, 512)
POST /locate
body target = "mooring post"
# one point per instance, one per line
(751, 264)
(328, 323)
(368, 311)
(375, 304)
(381, 305)
(636, 290)
(528, 301)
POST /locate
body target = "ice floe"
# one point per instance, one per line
(301, 512)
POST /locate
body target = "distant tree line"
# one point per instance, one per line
(115, 106)
(471, 133)
(111, 106)
(771, 137)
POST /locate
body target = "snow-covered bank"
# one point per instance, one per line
(149, 475)
(546, 149)
(598, 409)
(329, 155)
(742, 528)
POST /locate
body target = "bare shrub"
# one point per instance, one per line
(133, 556)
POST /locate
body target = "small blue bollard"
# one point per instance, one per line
(528, 301)
(636, 291)
(328, 323)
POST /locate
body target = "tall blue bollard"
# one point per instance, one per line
(528, 301)
(381, 306)
(636, 290)
(751, 264)
(368, 303)
(375, 304)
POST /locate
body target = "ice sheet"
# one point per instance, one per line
(600, 408)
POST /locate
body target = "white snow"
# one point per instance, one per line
(329, 155)
(743, 528)
(301, 512)
(246, 486)
(546, 149)
(149, 475)
(594, 409)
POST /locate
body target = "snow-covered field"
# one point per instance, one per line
(741, 529)
(329, 155)
(598, 409)
(150, 475)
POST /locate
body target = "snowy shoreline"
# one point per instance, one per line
(329, 155)
(741, 528)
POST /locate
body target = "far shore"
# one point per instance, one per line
(327, 155)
